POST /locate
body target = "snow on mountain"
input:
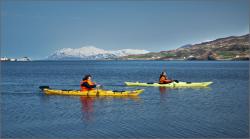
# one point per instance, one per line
(126, 52)
(91, 53)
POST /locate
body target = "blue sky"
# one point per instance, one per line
(38, 28)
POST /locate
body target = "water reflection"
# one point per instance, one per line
(87, 107)
(87, 103)
(163, 93)
(163, 90)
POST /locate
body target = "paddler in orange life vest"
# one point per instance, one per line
(87, 84)
(164, 79)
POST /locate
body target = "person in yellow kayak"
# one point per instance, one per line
(164, 79)
(87, 84)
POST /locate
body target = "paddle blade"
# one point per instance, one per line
(43, 87)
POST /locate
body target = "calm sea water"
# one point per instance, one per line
(219, 111)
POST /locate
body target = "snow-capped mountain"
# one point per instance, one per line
(92, 53)
(126, 52)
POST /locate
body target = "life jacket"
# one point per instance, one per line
(83, 88)
(163, 80)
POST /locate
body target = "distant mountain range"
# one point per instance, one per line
(229, 48)
(92, 53)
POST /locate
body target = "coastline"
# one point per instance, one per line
(118, 60)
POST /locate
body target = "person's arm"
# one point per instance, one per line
(166, 78)
(87, 85)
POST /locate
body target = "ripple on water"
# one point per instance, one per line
(221, 111)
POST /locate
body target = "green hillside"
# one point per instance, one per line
(229, 48)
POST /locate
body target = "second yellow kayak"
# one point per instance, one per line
(171, 85)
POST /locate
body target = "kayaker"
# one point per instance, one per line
(87, 84)
(164, 79)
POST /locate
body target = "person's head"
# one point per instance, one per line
(87, 77)
(164, 73)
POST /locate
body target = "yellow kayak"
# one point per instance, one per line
(97, 92)
(171, 85)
